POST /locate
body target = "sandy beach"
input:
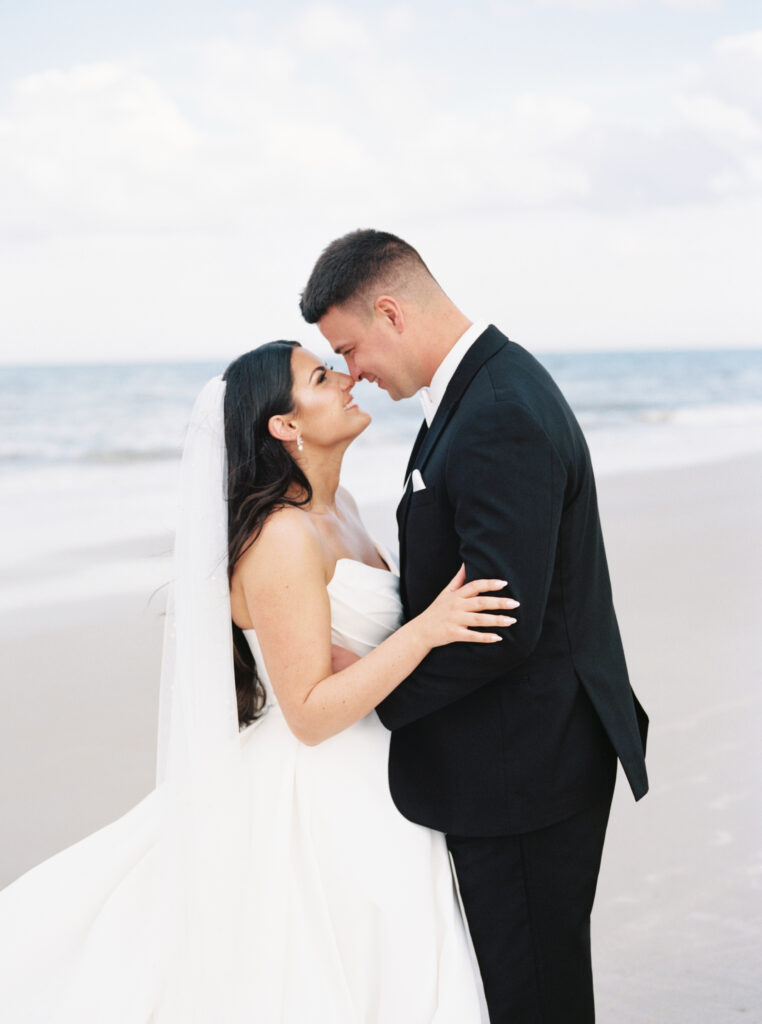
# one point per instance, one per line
(678, 921)
(677, 930)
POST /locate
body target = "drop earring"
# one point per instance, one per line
(299, 442)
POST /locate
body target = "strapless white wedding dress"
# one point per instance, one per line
(354, 917)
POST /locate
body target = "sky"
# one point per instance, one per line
(586, 174)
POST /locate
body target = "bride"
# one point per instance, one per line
(269, 876)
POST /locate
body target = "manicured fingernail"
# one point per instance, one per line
(496, 638)
(502, 583)
(513, 604)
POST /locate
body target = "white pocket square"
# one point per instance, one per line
(418, 484)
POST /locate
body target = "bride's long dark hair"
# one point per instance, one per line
(259, 384)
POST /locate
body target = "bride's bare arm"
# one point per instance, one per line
(283, 579)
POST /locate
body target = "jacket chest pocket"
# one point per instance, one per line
(420, 499)
(429, 533)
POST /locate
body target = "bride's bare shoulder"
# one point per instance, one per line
(288, 540)
(286, 559)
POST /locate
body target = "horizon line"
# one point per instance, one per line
(206, 360)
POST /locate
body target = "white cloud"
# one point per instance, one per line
(695, 5)
(251, 127)
(208, 190)
(108, 147)
(615, 6)
(745, 176)
(325, 27)
(93, 144)
(589, 6)
(718, 120)
(557, 118)
(399, 19)
(507, 8)
(744, 44)
(720, 110)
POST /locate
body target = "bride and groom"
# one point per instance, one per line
(308, 857)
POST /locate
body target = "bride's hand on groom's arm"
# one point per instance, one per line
(452, 616)
(461, 606)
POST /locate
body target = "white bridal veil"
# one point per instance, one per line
(204, 818)
(150, 918)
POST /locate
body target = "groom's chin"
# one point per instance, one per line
(408, 388)
(395, 395)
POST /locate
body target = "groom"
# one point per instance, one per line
(510, 749)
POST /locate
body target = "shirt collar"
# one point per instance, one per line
(432, 396)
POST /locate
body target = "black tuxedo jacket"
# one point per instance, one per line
(497, 739)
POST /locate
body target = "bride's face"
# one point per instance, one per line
(324, 410)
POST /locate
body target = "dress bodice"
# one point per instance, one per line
(365, 609)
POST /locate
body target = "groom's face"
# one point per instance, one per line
(373, 348)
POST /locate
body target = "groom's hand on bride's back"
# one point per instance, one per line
(342, 658)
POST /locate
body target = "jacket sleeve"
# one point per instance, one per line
(506, 483)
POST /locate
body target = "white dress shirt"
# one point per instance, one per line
(434, 393)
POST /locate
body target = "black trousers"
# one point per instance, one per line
(528, 900)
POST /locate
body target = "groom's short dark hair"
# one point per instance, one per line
(352, 264)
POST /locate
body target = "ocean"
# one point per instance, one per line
(89, 454)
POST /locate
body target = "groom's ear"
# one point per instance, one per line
(387, 307)
(281, 428)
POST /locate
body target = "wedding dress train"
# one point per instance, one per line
(351, 915)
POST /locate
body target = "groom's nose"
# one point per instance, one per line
(352, 369)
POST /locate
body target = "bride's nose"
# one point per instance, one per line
(346, 382)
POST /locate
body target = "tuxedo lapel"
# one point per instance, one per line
(485, 346)
(402, 511)
(404, 504)
(405, 499)
(416, 446)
